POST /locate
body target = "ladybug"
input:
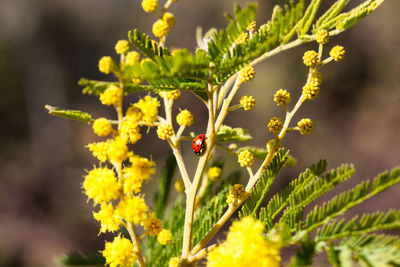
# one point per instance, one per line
(199, 144)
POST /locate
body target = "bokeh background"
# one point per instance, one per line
(47, 45)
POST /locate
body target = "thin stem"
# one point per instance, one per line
(224, 109)
(136, 243)
(235, 107)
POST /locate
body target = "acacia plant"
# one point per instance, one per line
(179, 233)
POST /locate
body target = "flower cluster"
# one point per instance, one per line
(246, 74)
(275, 125)
(247, 102)
(236, 194)
(245, 246)
(245, 158)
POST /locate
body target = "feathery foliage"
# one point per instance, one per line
(69, 114)
(78, 259)
(254, 201)
(228, 134)
(146, 45)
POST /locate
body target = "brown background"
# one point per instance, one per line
(47, 45)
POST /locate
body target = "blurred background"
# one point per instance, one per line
(47, 45)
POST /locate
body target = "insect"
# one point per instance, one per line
(199, 144)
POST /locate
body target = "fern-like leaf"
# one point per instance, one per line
(339, 204)
(228, 134)
(146, 45)
(265, 181)
(309, 15)
(69, 114)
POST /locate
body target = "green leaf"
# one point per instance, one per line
(339, 204)
(265, 181)
(146, 45)
(357, 226)
(164, 186)
(78, 259)
(305, 23)
(208, 215)
(69, 114)
(305, 254)
(314, 190)
(281, 200)
(229, 134)
(332, 12)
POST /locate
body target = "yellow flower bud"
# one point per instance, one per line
(247, 102)
(275, 125)
(245, 158)
(305, 126)
(337, 52)
(105, 65)
(310, 58)
(102, 127)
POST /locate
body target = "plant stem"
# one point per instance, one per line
(136, 242)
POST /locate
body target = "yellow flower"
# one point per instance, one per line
(252, 26)
(165, 131)
(317, 78)
(275, 125)
(161, 28)
(311, 90)
(170, 19)
(245, 246)
(130, 130)
(322, 36)
(242, 38)
(185, 117)
(101, 185)
(119, 252)
(134, 113)
(245, 158)
(170, 94)
(102, 127)
(149, 5)
(282, 97)
(214, 173)
(105, 65)
(174, 262)
(246, 74)
(247, 102)
(140, 170)
(152, 225)
(310, 58)
(99, 150)
(149, 107)
(122, 47)
(111, 96)
(108, 218)
(132, 58)
(118, 150)
(305, 126)
(236, 194)
(337, 52)
(179, 186)
(164, 237)
(133, 209)
(270, 144)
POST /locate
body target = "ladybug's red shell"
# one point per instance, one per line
(199, 144)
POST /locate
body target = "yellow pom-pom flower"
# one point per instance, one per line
(179, 186)
(305, 126)
(118, 150)
(149, 107)
(245, 246)
(311, 90)
(108, 218)
(165, 131)
(141, 169)
(317, 78)
(102, 127)
(161, 28)
(214, 173)
(132, 58)
(122, 47)
(169, 19)
(247, 102)
(174, 262)
(170, 94)
(99, 150)
(149, 5)
(133, 209)
(105, 65)
(245, 158)
(282, 97)
(185, 117)
(119, 252)
(236, 194)
(310, 58)
(337, 53)
(242, 38)
(134, 113)
(101, 185)
(275, 125)
(322, 37)
(164, 237)
(246, 74)
(152, 225)
(130, 130)
(111, 96)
